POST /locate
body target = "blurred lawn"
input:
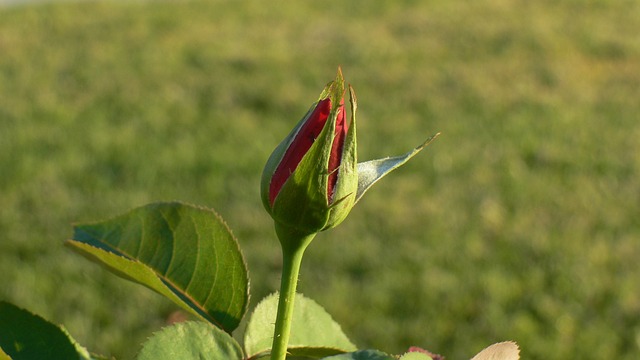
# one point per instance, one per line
(520, 222)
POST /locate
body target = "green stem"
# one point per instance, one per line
(293, 247)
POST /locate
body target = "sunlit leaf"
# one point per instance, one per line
(313, 332)
(192, 340)
(507, 350)
(415, 356)
(4, 356)
(185, 253)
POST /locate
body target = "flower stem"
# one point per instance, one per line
(293, 247)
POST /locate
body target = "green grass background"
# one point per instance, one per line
(521, 222)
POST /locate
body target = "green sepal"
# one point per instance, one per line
(344, 195)
(302, 200)
(276, 157)
(370, 172)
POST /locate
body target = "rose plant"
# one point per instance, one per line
(187, 253)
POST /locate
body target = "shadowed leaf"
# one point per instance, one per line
(26, 336)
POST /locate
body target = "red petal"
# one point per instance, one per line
(299, 146)
(336, 150)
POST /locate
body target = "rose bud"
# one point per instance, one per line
(310, 181)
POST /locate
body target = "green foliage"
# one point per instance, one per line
(519, 223)
(25, 336)
(415, 356)
(192, 340)
(185, 253)
(313, 332)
